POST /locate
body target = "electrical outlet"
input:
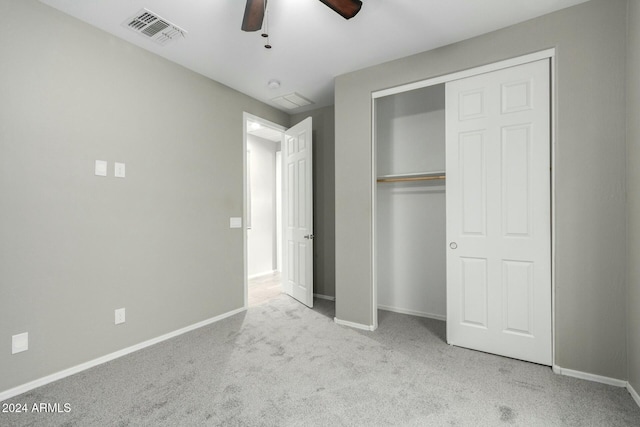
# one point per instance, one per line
(19, 343)
(120, 318)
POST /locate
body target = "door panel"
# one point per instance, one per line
(517, 296)
(516, 188)
(298, 212)
(499, 212)
(474, 291)
(302, 193)
(473, 182)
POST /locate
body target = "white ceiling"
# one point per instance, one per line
(311, 43)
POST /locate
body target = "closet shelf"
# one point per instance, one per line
(428, 176)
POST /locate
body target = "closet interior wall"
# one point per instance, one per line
(411, 215)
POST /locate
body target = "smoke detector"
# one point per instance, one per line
(273, 84)
(152, 26)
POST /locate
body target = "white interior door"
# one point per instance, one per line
(297, 182)
(499, 212)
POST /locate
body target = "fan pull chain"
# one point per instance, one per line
(265, 32)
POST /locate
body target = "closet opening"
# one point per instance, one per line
(462, 205)
(410, 202)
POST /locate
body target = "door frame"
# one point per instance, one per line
(246, 117)
(519, 60)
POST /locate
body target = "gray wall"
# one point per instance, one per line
(633, 192)
(323, 198)
(590, 207)
(73, 246)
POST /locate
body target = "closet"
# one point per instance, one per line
(462, 205)
(410, 202)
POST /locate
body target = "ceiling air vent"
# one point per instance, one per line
(154, 27)
(292, 101)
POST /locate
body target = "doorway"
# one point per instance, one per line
(263, 216)
(278, 229)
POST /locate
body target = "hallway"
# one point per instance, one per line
(264, 288)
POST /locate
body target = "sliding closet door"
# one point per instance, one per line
(499, 212)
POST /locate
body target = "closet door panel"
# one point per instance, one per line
(516, 182)
(473, 197)
(517, 297)
(499, 211)
(474, 292)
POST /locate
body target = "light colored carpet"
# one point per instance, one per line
(281, 364)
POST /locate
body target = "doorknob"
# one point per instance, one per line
(453, 245)
(309, 236)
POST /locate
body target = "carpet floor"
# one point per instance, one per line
(282, 364)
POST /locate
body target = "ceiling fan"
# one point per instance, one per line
(254, 11)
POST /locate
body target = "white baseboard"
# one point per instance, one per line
(327, 297)
(354, 325)
(266, 273)
(412, 312)
(589, 377)
(633, 393)
(7, 394)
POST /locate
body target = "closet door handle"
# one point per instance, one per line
(453, 245)
(309, 236)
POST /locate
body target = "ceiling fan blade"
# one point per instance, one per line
(346, 8)
(253, 15)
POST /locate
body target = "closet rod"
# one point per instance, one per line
(411, 178)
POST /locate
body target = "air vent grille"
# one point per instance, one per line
(292, 101)
(154, 27)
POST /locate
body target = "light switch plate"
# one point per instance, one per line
(118, 170)
(101, 167)
(20, 343)
(235, 222)
(119, 316)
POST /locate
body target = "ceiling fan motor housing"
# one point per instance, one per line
(255, 10)
(345, 8)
